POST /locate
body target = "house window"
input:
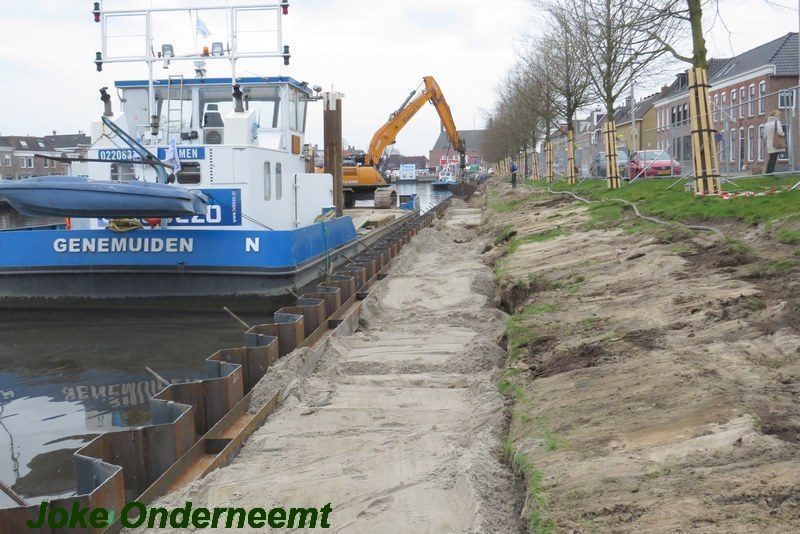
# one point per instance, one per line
(672, 115)
(685, 112)
(267, 180)
(724, 110)
(23, 144)
(715, 107)
(46, 163)
(760, 142)
(733, 104)
(687, 147)
(787, 130)
(751, 99)
(278, 181)
(23, 163)
(189, 173)
(750, 143)
(741, 102)
(762, 96)
(8, 161)
(732, 146)
(741, 147)
(786, 99)
(658, 120)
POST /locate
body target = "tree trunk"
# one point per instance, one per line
(570, 150)
(704, 146)
(699, 52)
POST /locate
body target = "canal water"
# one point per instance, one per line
(67, 375)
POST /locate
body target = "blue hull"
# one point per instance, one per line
(101, 264)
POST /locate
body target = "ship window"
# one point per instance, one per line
(189, 173)
(122, 172)
(278, 181)
(293, 110)
(301, 116)
(267, 181)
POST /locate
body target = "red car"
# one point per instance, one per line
(653, 163)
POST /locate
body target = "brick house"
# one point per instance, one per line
(6, 157)
(443, 151)
(744, 90)
(21, 161)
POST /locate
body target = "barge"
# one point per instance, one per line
(268, 222)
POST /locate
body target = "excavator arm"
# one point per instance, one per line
(387, 134)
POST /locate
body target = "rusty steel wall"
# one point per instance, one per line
(120, 466)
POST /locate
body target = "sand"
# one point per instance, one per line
(400, 426)
(659, 389)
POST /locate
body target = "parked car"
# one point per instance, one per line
(653, 163)
(599, 164)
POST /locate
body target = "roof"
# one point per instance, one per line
(622, 115)
(68, 140)
(27, 142)
(781, 52)
(253, 80)
(472, 138)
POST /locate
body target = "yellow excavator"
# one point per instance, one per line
(364, 176)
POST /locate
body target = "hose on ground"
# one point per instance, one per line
(635, 210)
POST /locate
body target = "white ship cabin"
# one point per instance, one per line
(251, 161)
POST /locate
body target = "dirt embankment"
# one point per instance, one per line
(655, 373)
(400, 426)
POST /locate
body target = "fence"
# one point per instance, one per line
(741, 142)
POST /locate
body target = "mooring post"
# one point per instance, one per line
(333, 146)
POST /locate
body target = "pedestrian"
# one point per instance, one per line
(513, 169)
(776, 139)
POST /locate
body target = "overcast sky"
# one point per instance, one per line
(375, 52)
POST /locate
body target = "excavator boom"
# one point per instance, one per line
(387, 134)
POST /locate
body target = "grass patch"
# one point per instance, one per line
(542, 307)
(504, 234)
(788, 237)
(510, 205)
(604, 215)
(653, 198)
(681, 248)
(537, 523)
(551, 443)
(520, 334)
(542, 283)
(589, 321)
(781, 265)
(540, 237)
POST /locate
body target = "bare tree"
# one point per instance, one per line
(615, 39)
(565, 72)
